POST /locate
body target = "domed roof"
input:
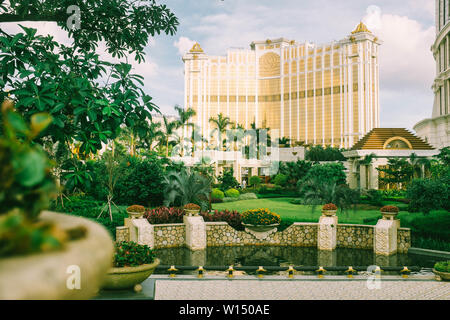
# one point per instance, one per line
(361, 28)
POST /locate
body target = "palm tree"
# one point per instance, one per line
(169, 128)
(236, 135)
(221, 123)
(183, 120)
(185, 187)
(366, 162)
(153, 134)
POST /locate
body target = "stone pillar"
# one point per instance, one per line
(326, 235)
(362, 177)
(195, 232)
(141, 231)
(122, 234)
(326, 258)
(385, 239)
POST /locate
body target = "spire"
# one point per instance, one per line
(361, 28)
(196, 48)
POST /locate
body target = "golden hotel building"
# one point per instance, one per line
(319, 94)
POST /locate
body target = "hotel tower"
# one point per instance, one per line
(318, 94)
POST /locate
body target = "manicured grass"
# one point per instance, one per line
(297, 213)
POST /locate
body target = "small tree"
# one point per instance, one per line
(397, 172)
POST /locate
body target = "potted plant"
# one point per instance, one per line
(136, 211)
(133, 263)
(389, 212)
(442, 270)
(192, 209)
(260, 220)
(43, 255)
(329, 209)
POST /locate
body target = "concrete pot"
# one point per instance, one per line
(329, 213)
(389, 215)
(135, 215)
(128, 277)
(260, 228)
(52, 275)
(441, 275)
(191, 212)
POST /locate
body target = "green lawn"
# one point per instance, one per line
(297, 213)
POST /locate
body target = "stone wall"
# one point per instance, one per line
(354, 236)
(299, 234)
(169, 235)
(403, 240)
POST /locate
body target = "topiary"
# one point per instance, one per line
(254, 181)
(217, 194)
(232, 193)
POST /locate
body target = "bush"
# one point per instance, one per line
(232, 193)
(426, 195)
(393, 193)
(260, 217)
(248, 196)
(442, 266)
(325, 173)
(280, 180)
(217, 194)
(131, 254)
(227, 180)
(141, 183)
(374, 197)
(164, 215)
(254, 181)
(233, 218)
(230, 199)
(318, 153)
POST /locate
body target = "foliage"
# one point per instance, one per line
(329, 206)
(393, 193)
(260, 217)
(227, 180)
(217, 194)
(325, 173)
(232, 193)
(131, 254)
(230, 199)
(374, 197)
(254, 181)
(295, 171)
(392, 209)
(136, 208)
(398, 172)
(185, 187)
(233, 218)
(164, 215)
(318, 153)
(427, 195)
(280, 180)
(248, 196)
(442, 266)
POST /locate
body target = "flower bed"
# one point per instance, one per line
(329, 206)
(131, 254)
(233, 218)
(260, 217)
(164, 215)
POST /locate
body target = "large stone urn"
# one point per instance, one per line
(75, 272)
(129, 277)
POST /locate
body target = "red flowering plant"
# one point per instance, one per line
(329, 206)
(233, 218)
(392, 209)
(136, 208)
(164, 215)
(131, 254)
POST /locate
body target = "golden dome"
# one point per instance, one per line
(361, 28)
(196, 48)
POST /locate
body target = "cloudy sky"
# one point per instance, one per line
(407, 66)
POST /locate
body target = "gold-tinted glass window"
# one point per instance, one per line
(269, 65)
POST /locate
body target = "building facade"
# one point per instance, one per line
(316, 94)
(436, 129)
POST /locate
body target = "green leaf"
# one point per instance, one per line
(40, 121)
(16, 121)
(31, 168)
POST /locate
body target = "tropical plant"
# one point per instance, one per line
(254, 181)
(284, 141)
(295, 171)
(222, 123)
(185, 187)
(227, 179)
(280, 180)
(398, 172)
(131, 254)
(319, 153)
(327, 173)
(184, 116)
(426, 195)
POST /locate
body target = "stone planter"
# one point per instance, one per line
(191, 212)
(135, 215)
(261, 232)
(128, 277)
(389, 215)
(329, 213)
(441, 275)
(53, 275)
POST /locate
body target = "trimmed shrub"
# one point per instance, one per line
(280, 180)
(230, 199)
(232, 193)
(248, 196)
(217, 194)
(254, 181)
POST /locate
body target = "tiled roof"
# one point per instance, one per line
(376, 139)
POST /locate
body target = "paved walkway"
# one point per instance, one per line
(339, 288)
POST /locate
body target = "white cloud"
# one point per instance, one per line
(183, 44)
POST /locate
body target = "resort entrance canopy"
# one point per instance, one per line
(382, 144)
